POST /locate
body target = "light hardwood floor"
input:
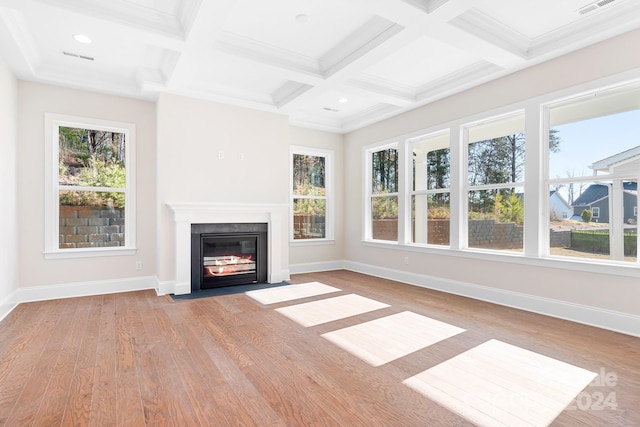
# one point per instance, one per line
(138, 359)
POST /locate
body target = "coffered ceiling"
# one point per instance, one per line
(335, 65)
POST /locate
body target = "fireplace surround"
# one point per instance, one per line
(185, 214)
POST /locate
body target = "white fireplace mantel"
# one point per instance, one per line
(274, 215)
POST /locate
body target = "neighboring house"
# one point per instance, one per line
(596, 199)
(596, 196)
(559, 208)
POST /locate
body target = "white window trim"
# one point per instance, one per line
(411, 192)
(465, 131)
(329, 195)
(595, 212)
(51, 203)
(367, 231)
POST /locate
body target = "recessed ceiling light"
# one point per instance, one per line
(343, 100)
(82, 38)
(302, 18)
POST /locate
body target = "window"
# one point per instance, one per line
(495, 183)
(311, 194)
(461, 186)
(90, 206)
(596, 169)
(430, 194)
(383, 193)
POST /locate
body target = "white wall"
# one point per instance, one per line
(215, 153)
(544, 282)
(34, 100)
(304, 255)
(9, 185)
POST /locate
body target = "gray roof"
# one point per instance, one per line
(596, 192)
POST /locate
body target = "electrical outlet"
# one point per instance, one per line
(138, 265)
(406, 260)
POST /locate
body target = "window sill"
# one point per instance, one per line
(312, 242)
(627, 269)
(88, 253)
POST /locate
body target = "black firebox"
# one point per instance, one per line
(228, 254)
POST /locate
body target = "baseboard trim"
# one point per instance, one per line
(166, 287)
(7, 304)
(82, 289)
(606, 319)
(280, 276)
(313, 267)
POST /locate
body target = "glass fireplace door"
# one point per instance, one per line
(228, 259)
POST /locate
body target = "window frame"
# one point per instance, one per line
(329, 196)
(411, 192)
(367, 229)
(614, 180)
(465, 130)
(53, 122)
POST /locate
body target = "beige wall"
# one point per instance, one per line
(309, 254)
(600, 290)
(8, 183)
(192, 135)
(34, 100)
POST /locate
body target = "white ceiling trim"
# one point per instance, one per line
(465, 78)
(603, 24)
(495, 32)
(307, 69)
(391, 92)
(126, 12)
(364, 41)
(371, 115)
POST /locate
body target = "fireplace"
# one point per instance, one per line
(187, 214)
(228, 254)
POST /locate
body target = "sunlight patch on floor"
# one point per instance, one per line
(382, 340)
(291, 292)
(330, 309)
(500, 384)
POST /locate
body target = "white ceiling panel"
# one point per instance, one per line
(421, 61)
(306, 27)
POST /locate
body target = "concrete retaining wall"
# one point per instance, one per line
(91, 227)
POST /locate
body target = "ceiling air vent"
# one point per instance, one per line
(594, 6)
(75, 55)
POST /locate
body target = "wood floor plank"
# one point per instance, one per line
(22, 347)
(130, 411)
(153, 392)
(183, 406)
(139, 359)
(78, 408)
(31, 397)
(57, 393)
(103, 401)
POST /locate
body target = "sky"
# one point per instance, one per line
(585, 142)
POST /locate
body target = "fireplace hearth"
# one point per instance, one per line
(228, 254)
